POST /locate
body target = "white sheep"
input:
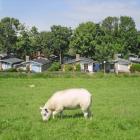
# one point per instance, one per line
(67, 99)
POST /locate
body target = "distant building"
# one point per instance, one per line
(39, 65)
(122, 65)
(86, 64)
(9, 63)
(35, 65)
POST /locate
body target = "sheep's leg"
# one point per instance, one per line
(55, 112)
(61, 114)
(85, 114)
(90, 114)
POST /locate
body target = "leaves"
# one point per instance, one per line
(98, 41)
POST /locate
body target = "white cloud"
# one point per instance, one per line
(97, 11)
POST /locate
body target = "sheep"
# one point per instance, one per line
(67, 99)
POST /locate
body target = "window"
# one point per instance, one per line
(85, 67)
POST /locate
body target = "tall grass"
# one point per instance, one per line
(60, 74)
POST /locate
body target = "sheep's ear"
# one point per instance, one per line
(41, 108)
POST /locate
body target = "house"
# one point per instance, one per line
(36, 65)
(39, 64)
(53, 58)
(86, 64)
(122, 65)
(136, 61)
(134, 58)
(9, 63)
(108, 66)
(3, 56)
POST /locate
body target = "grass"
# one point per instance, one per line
(116, 109)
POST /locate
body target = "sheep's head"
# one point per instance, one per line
(45, 113)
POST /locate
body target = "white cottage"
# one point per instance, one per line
(36, 65)
(86, 64)
(39, 65)
(6, 64)
(122, 65)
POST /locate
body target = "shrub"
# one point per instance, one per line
(11, 70)
(78, 67)
(54, 67)
(69, 67)
(135, 68)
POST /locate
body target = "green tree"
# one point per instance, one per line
(138, 42)
(128, 35)
(46, 43)
(9, 28)
(35, 39)
(110, 26)
(60, 40)
(83, 39)
(23, 44)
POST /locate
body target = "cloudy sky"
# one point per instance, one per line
(45, 13)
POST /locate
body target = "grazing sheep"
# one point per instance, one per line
(67, 99)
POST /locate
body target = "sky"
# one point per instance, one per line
(45, 13)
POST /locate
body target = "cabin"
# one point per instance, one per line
(39, 64)
(122, 66)
(36, 65)
(86, 64)
(9, 63)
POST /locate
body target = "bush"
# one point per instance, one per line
(135, 68)
(78, 67)
(69, 67)
(11, 70)
(54, 67)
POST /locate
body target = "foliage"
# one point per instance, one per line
(46, 43)
(83, 39)
(78, 67)
(55, 66)
(135, 68)
(97, 41)
(60, 40)
(68, 67)
(8, 33)
(11, 70)
(23, 44)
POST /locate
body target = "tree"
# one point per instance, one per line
(121, 33)
(138, 42)
(35, 40)
(110, 26)
(8, 33)
(23, 44)
(46, 43)
(60, 40)
(128, 34)
(83, 39)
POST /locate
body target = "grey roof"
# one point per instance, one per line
(41, 61)
(81, 59)
(123, 61)
(3, 54)
(136, 61)
(12, 60)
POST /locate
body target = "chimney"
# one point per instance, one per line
(38, 54)
(77, 57)
(27, 58)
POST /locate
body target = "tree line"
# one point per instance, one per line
(99, 41)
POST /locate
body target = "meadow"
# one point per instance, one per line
(115, 108)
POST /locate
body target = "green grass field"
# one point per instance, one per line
(116, 109)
